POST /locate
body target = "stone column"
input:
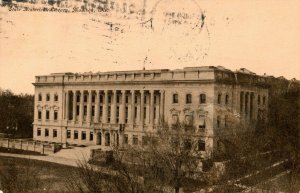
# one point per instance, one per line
(74, 106)
(67, 105)
(142, 107)
(96, 118)
(81, 106)
(161, 106)
(105, 107)
(151, 107)
(122, 107)
(132, 107)
(113, 107)
(89, 107)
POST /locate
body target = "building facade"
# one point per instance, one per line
(120, 108)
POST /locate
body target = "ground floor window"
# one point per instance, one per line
(107, 139)
(201, 145)
(54, 132)
(46, 132)
(91, 136)
(75, 134)
(135, 140)
(68, 134)
(125, 139)
(83, 135)
(39, 132)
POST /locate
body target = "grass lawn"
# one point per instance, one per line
(24, 175)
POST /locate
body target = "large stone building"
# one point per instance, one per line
(117, 108)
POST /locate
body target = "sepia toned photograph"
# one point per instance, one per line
(149, 96)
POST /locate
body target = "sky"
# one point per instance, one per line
(260, 35)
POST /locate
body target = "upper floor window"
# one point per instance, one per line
(54, 132)
(77, 98)
(258, 99)
(218, 121)
(93, 98)
(202, 98)
(219, 98)
(135, 140)
(226, 121)
(38, 132)
(56, 97)
(175, 98)
(83, 135)
(85, 98)
(46, 132)
(48, 97)
(39, 114)
(264, 100)
(226, 99)
(118, 98)
(47, 114)
(68, 134)
(40, 98)
(55, 115)
(101, 98)
(201, 145)
(188, 98)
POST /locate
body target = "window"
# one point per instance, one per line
(241, 101)
(68, 134)
(226, 121)
(258, 100)
(48, 97)
(56, 97)
(126, 99)
(107, 139)
(93, 111)
(78, 98)
(175, 98)
(219, 98)
(202, 123)
(155, 100)
(227, 99)
(188, 99)
(93, 98)
(202, 98)
(145, 112)
(188, 119)
(40, 97)
(83, 135)
(118, 98)
(174, 119)
(109, 99)
(55, 115)
(145, 140)
(47, 114)
(125, 139)
(154, 116)
(201, 145)
(145, 99)
(135, 140)
(75, 134)
(118, 114)
(39, 132)
(218, 121)
(39, 114)
(101, 111)
(101, 98)
(108, 114)
(135, 112)
(187, 144)
(85, 98)
(135, 99)
(54, 133)
(77, 110)
(126, 114)
(91, 136)
(84, 110)
(46, 132)
(264, 100)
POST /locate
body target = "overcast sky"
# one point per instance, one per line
(260, 35)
